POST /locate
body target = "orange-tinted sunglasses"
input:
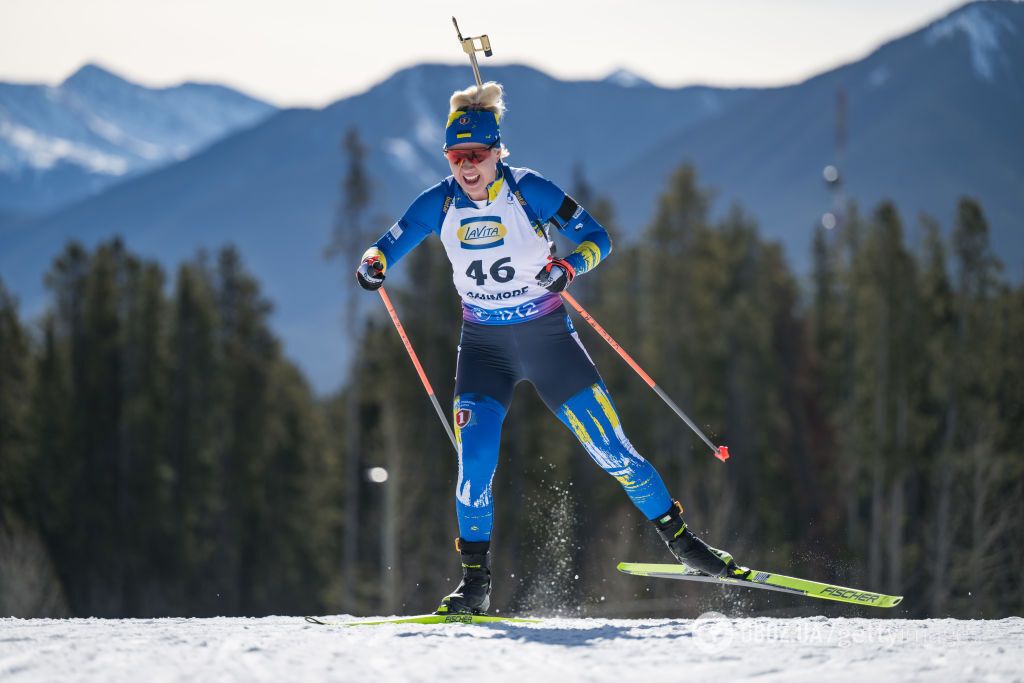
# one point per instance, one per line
(474, 155)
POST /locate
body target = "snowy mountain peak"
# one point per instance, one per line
(986, 30)
(92, 74)
(626, 78)
(59, 143)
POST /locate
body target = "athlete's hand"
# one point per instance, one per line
(370, 273)
(556, 275)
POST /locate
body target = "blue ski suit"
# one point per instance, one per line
(514, 330)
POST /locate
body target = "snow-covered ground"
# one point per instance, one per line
(710, 648)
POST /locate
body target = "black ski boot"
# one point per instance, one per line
(690, 550)
(473, 596)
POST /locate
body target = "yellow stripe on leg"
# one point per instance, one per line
(606, 405)
(597, 423)
(581, 432)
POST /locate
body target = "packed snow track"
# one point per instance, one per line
(711, 647)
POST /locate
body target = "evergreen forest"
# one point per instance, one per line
(161, 456)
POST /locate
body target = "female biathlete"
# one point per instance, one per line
(491, 219)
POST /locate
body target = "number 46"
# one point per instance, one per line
(500, 271)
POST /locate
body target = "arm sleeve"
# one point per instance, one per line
(552, 205)
(423, 217)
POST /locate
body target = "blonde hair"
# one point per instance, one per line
(487, 97)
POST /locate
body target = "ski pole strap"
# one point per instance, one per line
(416, 362)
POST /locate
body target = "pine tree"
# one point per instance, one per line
(1011, 409)
(60, 466)
(246, 349)
(196, 436)
(355, 200)
(145, 503)
(15, 390)
(977, 428)
(348, 239)
(884, 357)
(676, 313)
(937, 330)
(826, 390)
(295, 571)
(28, 584)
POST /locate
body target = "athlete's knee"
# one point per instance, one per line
(593, 418)
(478, 421)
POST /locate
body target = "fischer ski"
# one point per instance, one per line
(766, 581)
(428, 619)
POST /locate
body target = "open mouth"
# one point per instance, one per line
(470, 177)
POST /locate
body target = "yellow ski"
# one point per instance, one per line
(428, 619)
(766, 581)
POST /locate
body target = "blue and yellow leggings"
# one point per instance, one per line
(548, 353)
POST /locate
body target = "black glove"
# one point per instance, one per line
(370, 273)
(556, 275)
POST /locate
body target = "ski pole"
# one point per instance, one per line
(721, 452)
(416, 362)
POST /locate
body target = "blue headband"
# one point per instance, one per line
(473, 125)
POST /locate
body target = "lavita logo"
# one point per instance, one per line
(482, 232)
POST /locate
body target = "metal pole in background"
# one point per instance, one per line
(720, 452)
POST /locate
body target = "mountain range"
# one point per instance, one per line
(59, 144)
(930, 116)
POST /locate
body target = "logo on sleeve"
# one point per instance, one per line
(462, 417)
(481, 232)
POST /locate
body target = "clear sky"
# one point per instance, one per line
(311, 52)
